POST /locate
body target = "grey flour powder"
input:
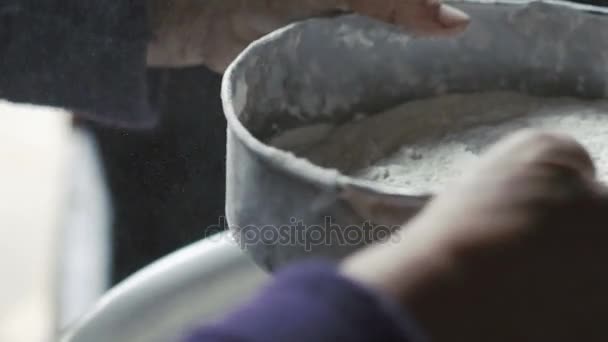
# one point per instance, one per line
(421, 145)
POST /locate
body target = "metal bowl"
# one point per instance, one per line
(196, 285)
(283, 208)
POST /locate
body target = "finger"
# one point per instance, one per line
(426, 17)
(527, 169)
(528, 148)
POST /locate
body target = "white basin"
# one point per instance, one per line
(192, 286)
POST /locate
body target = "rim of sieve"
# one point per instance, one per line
(301, 167)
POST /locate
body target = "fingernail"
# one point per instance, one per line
(452, 17)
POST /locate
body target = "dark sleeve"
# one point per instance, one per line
(84, 55)
(312, 302)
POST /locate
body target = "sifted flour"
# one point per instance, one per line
(421, 145)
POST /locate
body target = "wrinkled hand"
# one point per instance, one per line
(214, 32)
(515, 251)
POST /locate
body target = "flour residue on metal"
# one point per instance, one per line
(422, 145)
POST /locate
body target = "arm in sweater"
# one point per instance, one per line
(90, 56)
(312, 302)
(85, 55)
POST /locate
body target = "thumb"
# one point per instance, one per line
(529, 148)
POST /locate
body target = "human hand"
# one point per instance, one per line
(214, 32)
(515, 251)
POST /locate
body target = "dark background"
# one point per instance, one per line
(167, 185)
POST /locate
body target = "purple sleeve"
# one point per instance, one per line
(312, 302)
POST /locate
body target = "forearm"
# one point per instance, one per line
(213, 32)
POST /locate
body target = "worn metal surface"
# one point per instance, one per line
(327, 70)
